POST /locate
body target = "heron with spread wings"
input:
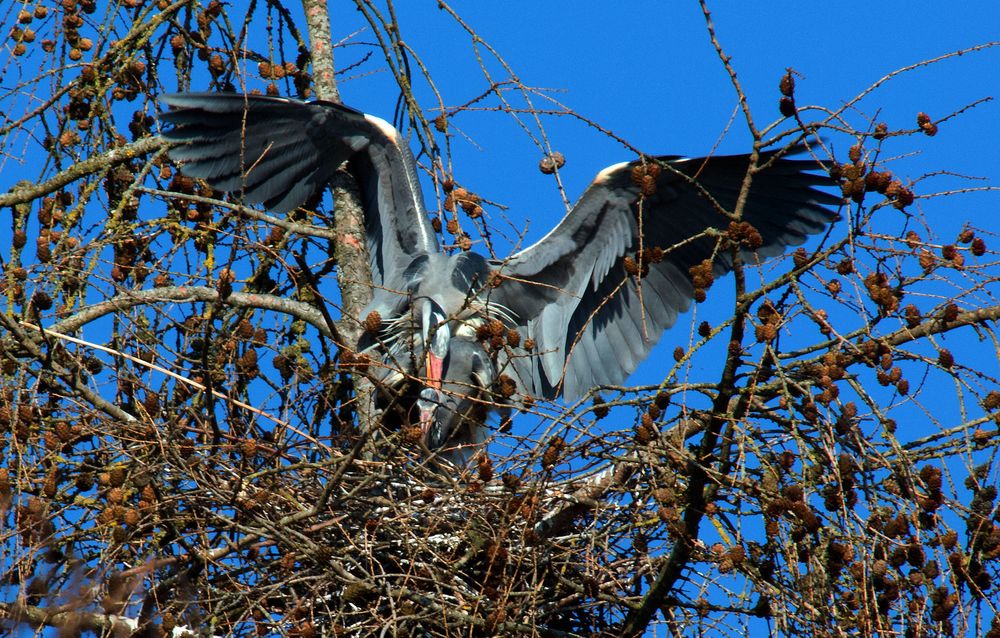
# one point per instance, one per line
(461, 334)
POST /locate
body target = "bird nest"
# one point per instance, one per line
(409, 549)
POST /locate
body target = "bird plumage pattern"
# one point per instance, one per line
(592, 297)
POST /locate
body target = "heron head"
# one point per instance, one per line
(433, 410)
(453, 415)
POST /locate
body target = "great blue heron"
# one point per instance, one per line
(580, 308)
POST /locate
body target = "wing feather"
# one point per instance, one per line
(279, 152)
(573, 296)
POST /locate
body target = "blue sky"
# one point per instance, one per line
(649, 73)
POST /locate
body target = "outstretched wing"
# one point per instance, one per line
(593, 322)
(278, 152)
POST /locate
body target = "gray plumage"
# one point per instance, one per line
(278, 152)
(591, 320)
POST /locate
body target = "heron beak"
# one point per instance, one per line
(435, 366)
(426, 421)
(427, 405)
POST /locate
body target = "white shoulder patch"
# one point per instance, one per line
(606, 173)
(387, 129)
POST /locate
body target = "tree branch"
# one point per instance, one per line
(350, 251)
(29, 191)
(188, 294)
